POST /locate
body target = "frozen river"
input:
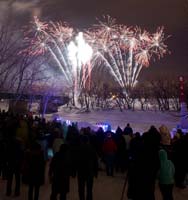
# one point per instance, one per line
(139, 120)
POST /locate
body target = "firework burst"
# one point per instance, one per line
(124, 51)
(121, 50)
(67, 49)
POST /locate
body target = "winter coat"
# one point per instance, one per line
(127, 141)
(109, 146)
(167, 169)
(86, 161)
(56, 144)
(60, 170)
(165, 135)
(22, 131)
(14, 154)
(34, 167)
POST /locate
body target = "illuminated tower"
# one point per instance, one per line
(183, 110)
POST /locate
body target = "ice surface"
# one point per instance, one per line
(139, 120)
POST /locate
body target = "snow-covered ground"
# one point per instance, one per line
(139, 120)
(105, 188)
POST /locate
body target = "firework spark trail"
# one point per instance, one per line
(115, 67)
(121, 62)
(138, 70)
(109, 66)
(59, 58)
(57, 32)
(60, 65)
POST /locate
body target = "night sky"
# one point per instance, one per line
(148, 14)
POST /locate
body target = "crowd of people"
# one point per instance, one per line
(25, 142)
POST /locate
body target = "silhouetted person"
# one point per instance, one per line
(149, 163)
(136, 148)
(127, 134)
(59, 173)
(87, 168)
(14, 159)
(100, 140)
(128, 130)
(145, 166)
(136, 145)
(121, 158)
(109, 151)
(34, 165)
(180, 161)
(3, 168)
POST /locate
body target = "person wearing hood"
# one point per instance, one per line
(165, 142)
(166, 176)
(165, 135)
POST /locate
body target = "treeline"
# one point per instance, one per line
(160, 94)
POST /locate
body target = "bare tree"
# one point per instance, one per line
(9, 49)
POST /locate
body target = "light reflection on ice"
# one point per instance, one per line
(139, 120)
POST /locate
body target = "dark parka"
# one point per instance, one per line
(60, 169)
(34, 167)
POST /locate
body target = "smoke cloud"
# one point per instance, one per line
(19, 8)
